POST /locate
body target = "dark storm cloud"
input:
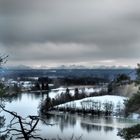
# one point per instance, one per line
(47, 51)
(70, 30)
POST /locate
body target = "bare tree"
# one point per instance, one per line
(3, 59)
(27, 129)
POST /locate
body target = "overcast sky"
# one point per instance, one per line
(82, 32)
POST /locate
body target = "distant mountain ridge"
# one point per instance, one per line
(69, 67)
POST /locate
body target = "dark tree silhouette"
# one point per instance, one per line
(132, 105)
(76, 93)
(122, 78)
(130, 133)
(27, 129)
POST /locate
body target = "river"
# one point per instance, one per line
(66, 125)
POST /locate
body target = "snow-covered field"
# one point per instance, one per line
(99, 101)
(82, 89)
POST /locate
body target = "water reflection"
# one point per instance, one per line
(66, 124)
(88, 123)
(108, 128)
(13, 97)
(90, 127)
(32, 95)
(39, 95)
(64, 121)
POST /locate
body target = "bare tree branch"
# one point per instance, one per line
(3, 59)
(26, 128)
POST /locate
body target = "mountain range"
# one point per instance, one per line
(68, 67)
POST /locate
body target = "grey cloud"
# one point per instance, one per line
(67, 52)
(111, 26)
(51, 51)
(96, 21)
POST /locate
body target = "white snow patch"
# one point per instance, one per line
(115, 100)
(82, 89)
(135, 116)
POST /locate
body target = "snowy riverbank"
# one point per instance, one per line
(110, 102)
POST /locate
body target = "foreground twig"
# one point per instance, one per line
(27, 129)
